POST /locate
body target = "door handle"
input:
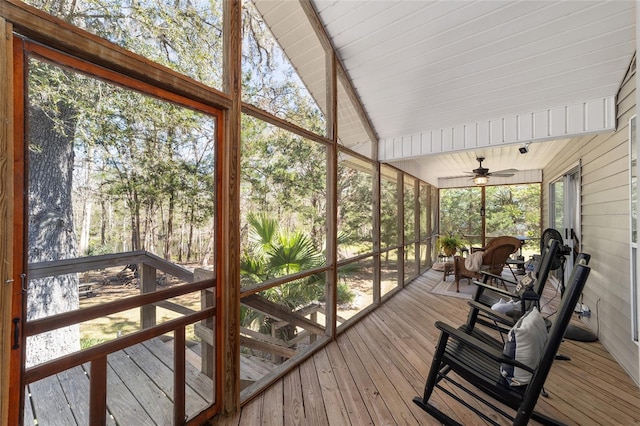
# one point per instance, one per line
(16, 333)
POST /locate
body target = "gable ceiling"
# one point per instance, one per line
(466, 78)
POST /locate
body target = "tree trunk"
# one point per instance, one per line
(190, 239)
(51, 233)
(86, 198)
(169, 234)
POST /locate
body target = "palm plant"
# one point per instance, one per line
(272, 253)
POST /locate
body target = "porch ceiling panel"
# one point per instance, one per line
(425, 68)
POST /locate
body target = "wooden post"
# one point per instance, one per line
(400, 225)
(228, 218)
(8, 371)
(147, 280)
(416, 226)
(98, 392)
(207, 299)
(314, 318)
(179, 376)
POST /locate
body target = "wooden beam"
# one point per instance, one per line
(277, 121)
(6, 215)
(267, 347)
(90, 263)
(182, 310)
(74, 359)
(228, 218)
(17, 220)
(331, 286)
(276, 311)
(65, 319)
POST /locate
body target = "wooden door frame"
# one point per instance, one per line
(13, 377)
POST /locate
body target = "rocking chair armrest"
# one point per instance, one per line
(487, 275)
(477, 344)
(498, 316)
(494, 289)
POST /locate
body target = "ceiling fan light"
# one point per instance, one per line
(481, 180)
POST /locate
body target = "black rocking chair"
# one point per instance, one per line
(478, 363)
(485, 294)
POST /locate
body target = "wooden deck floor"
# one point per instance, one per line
(375, 368)
(140, 390)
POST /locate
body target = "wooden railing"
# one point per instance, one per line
(282, 316)
(150, 297)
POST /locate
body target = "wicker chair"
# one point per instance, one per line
(494, 257)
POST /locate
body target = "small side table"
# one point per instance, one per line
(448, 270)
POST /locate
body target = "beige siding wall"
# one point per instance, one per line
(605, 233)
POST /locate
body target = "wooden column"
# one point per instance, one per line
(416, 223)
(400, 225)
(147, 280)
(6, 215)
(228, 209)
(331, 288)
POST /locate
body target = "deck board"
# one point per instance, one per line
(376, 407)
(315, 411)
(292, 397)
(52, 406)
(354, 404)
(380, 364)
(157, 403)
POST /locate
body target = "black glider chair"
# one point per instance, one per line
(479, 364)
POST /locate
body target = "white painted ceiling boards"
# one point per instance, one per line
(444, 81)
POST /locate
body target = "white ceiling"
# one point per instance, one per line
(423, 66)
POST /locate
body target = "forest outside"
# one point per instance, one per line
(509, 210)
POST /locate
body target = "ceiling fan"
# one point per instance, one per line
(481, 174)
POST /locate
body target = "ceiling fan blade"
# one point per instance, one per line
(498, 174)
(455, 177)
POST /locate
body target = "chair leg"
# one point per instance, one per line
(435, 375)
(436, 366)
(437, 414)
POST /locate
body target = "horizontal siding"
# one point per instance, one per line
(604, 160)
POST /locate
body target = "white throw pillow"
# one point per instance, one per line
(525, 342)
(505, 306)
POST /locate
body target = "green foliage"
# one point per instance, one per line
(510, 210)
(274, 253)
(355, 207)
(88, 342)
(513, 210)
(460, 211)
(182, 35)
(284, 176)
(345, 295)
(388, 211)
